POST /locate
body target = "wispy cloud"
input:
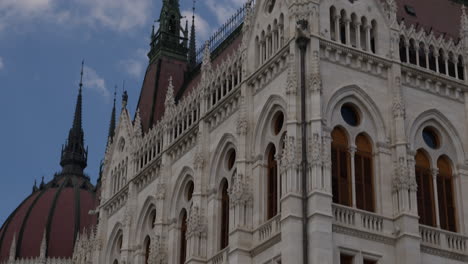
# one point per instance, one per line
(117, 15)
(92, 81)
(2, 65)
(135, 66)
(121, 15)
(223, 9)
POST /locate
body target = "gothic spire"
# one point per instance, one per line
(192, 56)
(111, 134)
(74, 155)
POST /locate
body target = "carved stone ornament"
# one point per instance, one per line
(402, 180)
(169, 103)
(398, 108)
(391, 9)
(158, 250)
(198, 161)
(326, 152)
(291, 82)
(464, 23)
(289, 158)
(315, 148)
(240, 192)
(86, 243)
(242, 124)
(128, 216)
(315, 82)
(160, 191)
(196, 223)
(137, 126)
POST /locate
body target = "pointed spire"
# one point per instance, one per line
(74, 155)
(192, 56)
(463, 23)
(169, 102)
(111, 134)
(43, 250)
(78, 107)
(34, 189)
(206, 63)
(124, 99)
(12, 255)
(137, 124)
(41, 186)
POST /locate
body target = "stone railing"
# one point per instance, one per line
(39, 260)
(357, 59)
(432, 83)
(360, 219)
(268, 230)
(442, 239)
(221, 257)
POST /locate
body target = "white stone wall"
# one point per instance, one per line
(393, 109)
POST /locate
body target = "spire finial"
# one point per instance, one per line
(34, 186)
(193, 10)
(81, 78)
(192, 56)
(111, 133)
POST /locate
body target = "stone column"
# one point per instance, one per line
(352, 151)
(357, 25)
(434, 173)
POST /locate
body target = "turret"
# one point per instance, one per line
(167, 40)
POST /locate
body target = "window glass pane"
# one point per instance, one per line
(346, 259)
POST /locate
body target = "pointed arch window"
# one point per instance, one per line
(341, 176)
(272, 183)
(445, 195)
(147, 249)
(425, 193)
(183, 234)
(363, 174)
(224, 214)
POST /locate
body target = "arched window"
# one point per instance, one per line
(147, 249)
(363, 174)
(445, 195)
(341, 177)
(183, 233)
(272, 183)
(224, 214)
(425, 193)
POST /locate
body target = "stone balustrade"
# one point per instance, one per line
(268, 229)
(442, 239)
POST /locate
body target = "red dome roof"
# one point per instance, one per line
(59, 208)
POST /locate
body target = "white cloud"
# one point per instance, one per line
(135, 66)
(223, 10)
(121, 15)
(2, 65)
(92, 81)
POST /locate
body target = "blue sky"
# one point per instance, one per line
(42, 43)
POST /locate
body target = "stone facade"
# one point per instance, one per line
(166, 182)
